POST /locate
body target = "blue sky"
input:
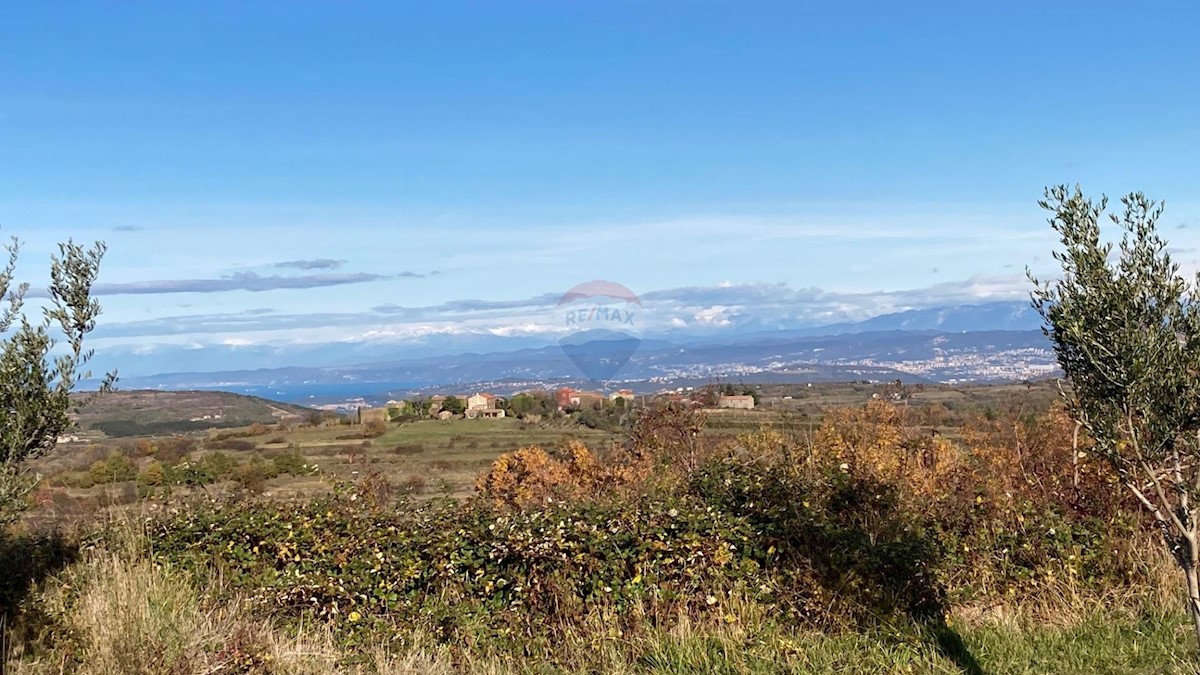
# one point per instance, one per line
(270, 173)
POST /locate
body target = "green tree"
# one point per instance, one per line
(454, 404)
(220, 465)
(1125, 326)
(41, 362)
(153, 475)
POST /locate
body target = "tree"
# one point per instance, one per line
(1126, 331)
(41, 362)
(454, 404)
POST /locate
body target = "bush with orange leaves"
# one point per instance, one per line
(665, 445)
(875, 440)
(531, 475)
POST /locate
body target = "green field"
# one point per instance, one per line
(443, 456)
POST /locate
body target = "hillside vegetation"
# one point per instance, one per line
(151, 413)
(863, 544)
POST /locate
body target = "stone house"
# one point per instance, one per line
(481, 401)
(739, 402)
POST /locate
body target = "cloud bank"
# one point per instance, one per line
(700, 309)
(317, 264)
(241, 281)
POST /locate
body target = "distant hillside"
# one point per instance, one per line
(145, 412)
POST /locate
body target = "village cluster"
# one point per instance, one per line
(484, 405)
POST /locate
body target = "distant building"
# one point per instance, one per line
(445, 415)
(484, 413)
(562, 397)
(567, 397)
(435, 404)
(368, 414)
(626, 394)
(739, 402)
(481, 401)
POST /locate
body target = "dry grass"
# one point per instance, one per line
(117, 611)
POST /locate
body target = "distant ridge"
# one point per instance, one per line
(914, 355)
(146, 412)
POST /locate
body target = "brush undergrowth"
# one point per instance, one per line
(870, 550)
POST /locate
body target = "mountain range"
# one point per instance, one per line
(985, 342)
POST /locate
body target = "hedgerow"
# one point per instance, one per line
(455, 566)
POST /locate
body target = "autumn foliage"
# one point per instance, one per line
(869, 517)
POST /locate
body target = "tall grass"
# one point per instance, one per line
(118, 611)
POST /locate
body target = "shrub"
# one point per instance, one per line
(251, 476)
(292, 463)
(117, 467)
(414, 484)
(171, 450)
(458, 567)
(258, 429)
(880, 521)
(153, 475)
(374, 428)
(530, 475)
(190, 473)
(270, 469)
(847, 543)
(219, 464)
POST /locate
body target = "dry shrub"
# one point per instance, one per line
(235, 444)
(414, 484)
(172, 450)
(874, 440)
(532, 475)
(1044, 457)
(670, 437)
(258, 429)
(1024, 511)
(529, 476)
(374, 428)
(665, 446)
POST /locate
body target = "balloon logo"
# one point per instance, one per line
(602, 322)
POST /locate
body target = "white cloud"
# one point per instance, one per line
(726, 306)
